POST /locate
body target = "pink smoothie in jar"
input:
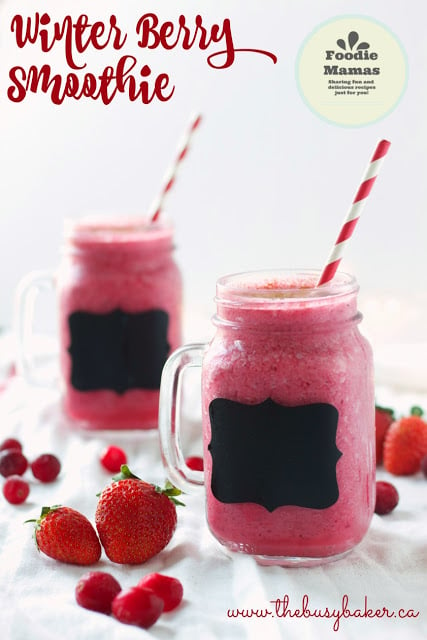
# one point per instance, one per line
(120, 316)
(288, 418)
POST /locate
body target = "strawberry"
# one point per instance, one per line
(405, 444)
(66, 535)
(135, 520)
(383, 419)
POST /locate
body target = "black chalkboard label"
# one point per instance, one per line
(274, 455)
(118, 350)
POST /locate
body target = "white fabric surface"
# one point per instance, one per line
(389, 567)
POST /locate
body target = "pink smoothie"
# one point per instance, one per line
(122, 268)
(280, 339)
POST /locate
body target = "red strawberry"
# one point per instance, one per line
(383, 419)
(405, 445)
(135, 519)
(66, 535)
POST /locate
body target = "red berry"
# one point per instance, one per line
(11, 443)
(12, 462)
(96, 591)
(387, 498)
(169, 589)
(405, 445)
(46, 467)
(16, 490)
(383, 420)
(195, 463)
(66, 535)
(135, 520)
(138, 606)
(112, 458)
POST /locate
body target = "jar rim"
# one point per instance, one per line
(101, 229)
(278, 286)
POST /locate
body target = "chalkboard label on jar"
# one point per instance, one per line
(274, 455)
(118, 350)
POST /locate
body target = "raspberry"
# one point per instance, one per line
(96, 591)
(138, 606)
(387, 498)
(46, 467)
(167, 588)
(112, 458)
(195, 463)
(16, 490)
(11, 443)
(12, 462)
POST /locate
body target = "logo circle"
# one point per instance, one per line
(351, 71)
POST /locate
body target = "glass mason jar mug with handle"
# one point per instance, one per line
(287, 418)
(119, 306)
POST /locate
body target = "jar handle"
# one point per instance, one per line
(27, 293)
(186, 479)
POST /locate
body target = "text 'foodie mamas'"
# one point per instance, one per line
(356, 54)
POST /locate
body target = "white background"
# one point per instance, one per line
(267, 183)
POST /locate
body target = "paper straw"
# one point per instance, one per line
(355, 211)
(171, 174)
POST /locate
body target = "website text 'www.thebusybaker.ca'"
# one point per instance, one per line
(281, 608)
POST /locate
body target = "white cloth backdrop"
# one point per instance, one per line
(388, 569)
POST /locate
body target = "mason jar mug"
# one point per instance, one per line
(287, 418)
(119, 302)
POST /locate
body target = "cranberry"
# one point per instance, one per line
(12, 462)
(96, 590)
(387, 498)
(11, 443)
(16, 489)
(169, 589)
(46, 467)
(195, 463)
(112, 458)
(137, 606)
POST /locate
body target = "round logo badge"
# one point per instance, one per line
(351, 71)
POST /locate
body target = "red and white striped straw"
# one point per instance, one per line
(171, 174)
(354, 213)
